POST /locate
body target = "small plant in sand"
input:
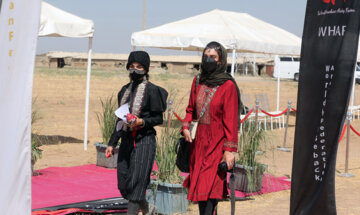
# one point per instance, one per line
(166, 157)
(36, 152)
(252, 142)
(165, 149)
(107, 118)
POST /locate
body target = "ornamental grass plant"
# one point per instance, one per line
(165, 149)
(166, 157)
(107, 118)
(252, 142)
(36, 152)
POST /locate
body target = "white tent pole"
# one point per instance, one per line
(87, 94)
(278, 83)
(254, 65)
(243, 65)
(246, 68)
(233, 62)
(278, 93)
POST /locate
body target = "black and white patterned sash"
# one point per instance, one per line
(137, 97)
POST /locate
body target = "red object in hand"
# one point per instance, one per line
(130, 118)
(108, 154)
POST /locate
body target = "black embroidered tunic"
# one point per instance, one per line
(135, 163)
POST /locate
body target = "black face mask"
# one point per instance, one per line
(208, 65)
(136, 75)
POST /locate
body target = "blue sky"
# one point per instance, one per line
(115, 20)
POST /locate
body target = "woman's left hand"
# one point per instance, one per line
(229, 158)
(138, 122)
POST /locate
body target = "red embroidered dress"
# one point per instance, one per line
(216, 133)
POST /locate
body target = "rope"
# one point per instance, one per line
(178, 117)
(353, 129)
(342, 133)
(275, 115)
(246, 116)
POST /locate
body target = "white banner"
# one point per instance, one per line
(19, 26)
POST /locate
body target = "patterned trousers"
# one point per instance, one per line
(134, 166)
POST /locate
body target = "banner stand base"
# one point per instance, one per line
(346, 175)
(283, 149)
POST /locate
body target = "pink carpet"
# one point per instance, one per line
(270, 184)
(65, 185)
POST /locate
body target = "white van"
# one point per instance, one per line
(357, 74)
(287, 67)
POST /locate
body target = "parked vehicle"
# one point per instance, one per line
(287, 67)
(357, 74)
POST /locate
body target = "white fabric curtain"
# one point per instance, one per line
(19, 26)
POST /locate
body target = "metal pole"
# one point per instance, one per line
(144, 19)
(278, 94)
(144, 15)
(284, 148)
(353, 93)
(346, 174)
(170, 102)
(246, 69)
(87, 98)
(278, 81)
(243, 72)
(353, 89)
(287, 122)
(347, 142)
(233, 62)
(256, 113)
(254, 66)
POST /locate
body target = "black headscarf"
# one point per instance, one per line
(220, 75)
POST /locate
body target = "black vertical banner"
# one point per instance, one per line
(328, 57)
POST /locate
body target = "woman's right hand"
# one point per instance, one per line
(187, 135)
(109, 151)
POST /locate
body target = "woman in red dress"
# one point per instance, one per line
(215, 103)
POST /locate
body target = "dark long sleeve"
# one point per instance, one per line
(116, 135)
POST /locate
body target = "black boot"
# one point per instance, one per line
(133, 208)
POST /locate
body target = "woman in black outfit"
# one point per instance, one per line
(138, 145)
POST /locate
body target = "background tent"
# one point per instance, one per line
(236, 31)
(58, 23)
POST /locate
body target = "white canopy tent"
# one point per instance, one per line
(55, 22)
(238, 32)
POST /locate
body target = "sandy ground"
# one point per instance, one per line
(60, 100)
